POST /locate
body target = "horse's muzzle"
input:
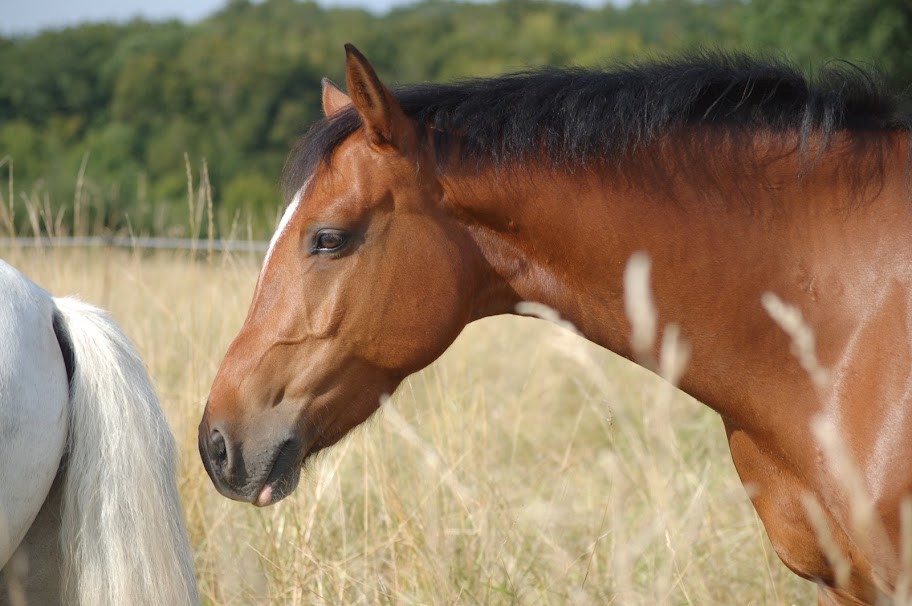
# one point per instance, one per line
(271, 473)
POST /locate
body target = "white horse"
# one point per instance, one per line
(89, 508)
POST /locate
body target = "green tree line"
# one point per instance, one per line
(110, 118)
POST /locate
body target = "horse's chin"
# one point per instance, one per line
(283, 478)
(272, 493)
(277, 489)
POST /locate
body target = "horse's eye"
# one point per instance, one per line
(329, 240)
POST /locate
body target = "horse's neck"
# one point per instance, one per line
(34, 571)
(563, 238)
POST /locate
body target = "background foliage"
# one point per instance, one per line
(110, 118)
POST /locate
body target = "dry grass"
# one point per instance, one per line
(526, 466)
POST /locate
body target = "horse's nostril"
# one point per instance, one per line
(219, 450)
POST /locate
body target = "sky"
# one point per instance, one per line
(29, 16)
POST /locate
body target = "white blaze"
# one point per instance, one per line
(283, 224)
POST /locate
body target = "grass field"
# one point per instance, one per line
(526, 466)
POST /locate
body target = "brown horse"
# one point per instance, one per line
(415, 212)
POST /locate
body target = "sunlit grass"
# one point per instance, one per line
(526, 466)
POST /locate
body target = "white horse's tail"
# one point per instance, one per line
(123, 539)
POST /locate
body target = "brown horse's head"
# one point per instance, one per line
(366, 280)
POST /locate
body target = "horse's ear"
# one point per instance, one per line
(379, 110)
(333, 98)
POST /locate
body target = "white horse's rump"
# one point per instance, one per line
(33, 405)
(122, 536)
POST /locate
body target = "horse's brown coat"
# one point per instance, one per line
(724, 218)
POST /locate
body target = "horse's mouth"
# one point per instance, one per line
(285, 473)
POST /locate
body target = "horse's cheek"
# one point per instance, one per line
(427, 315)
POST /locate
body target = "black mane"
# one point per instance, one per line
(574, 115)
